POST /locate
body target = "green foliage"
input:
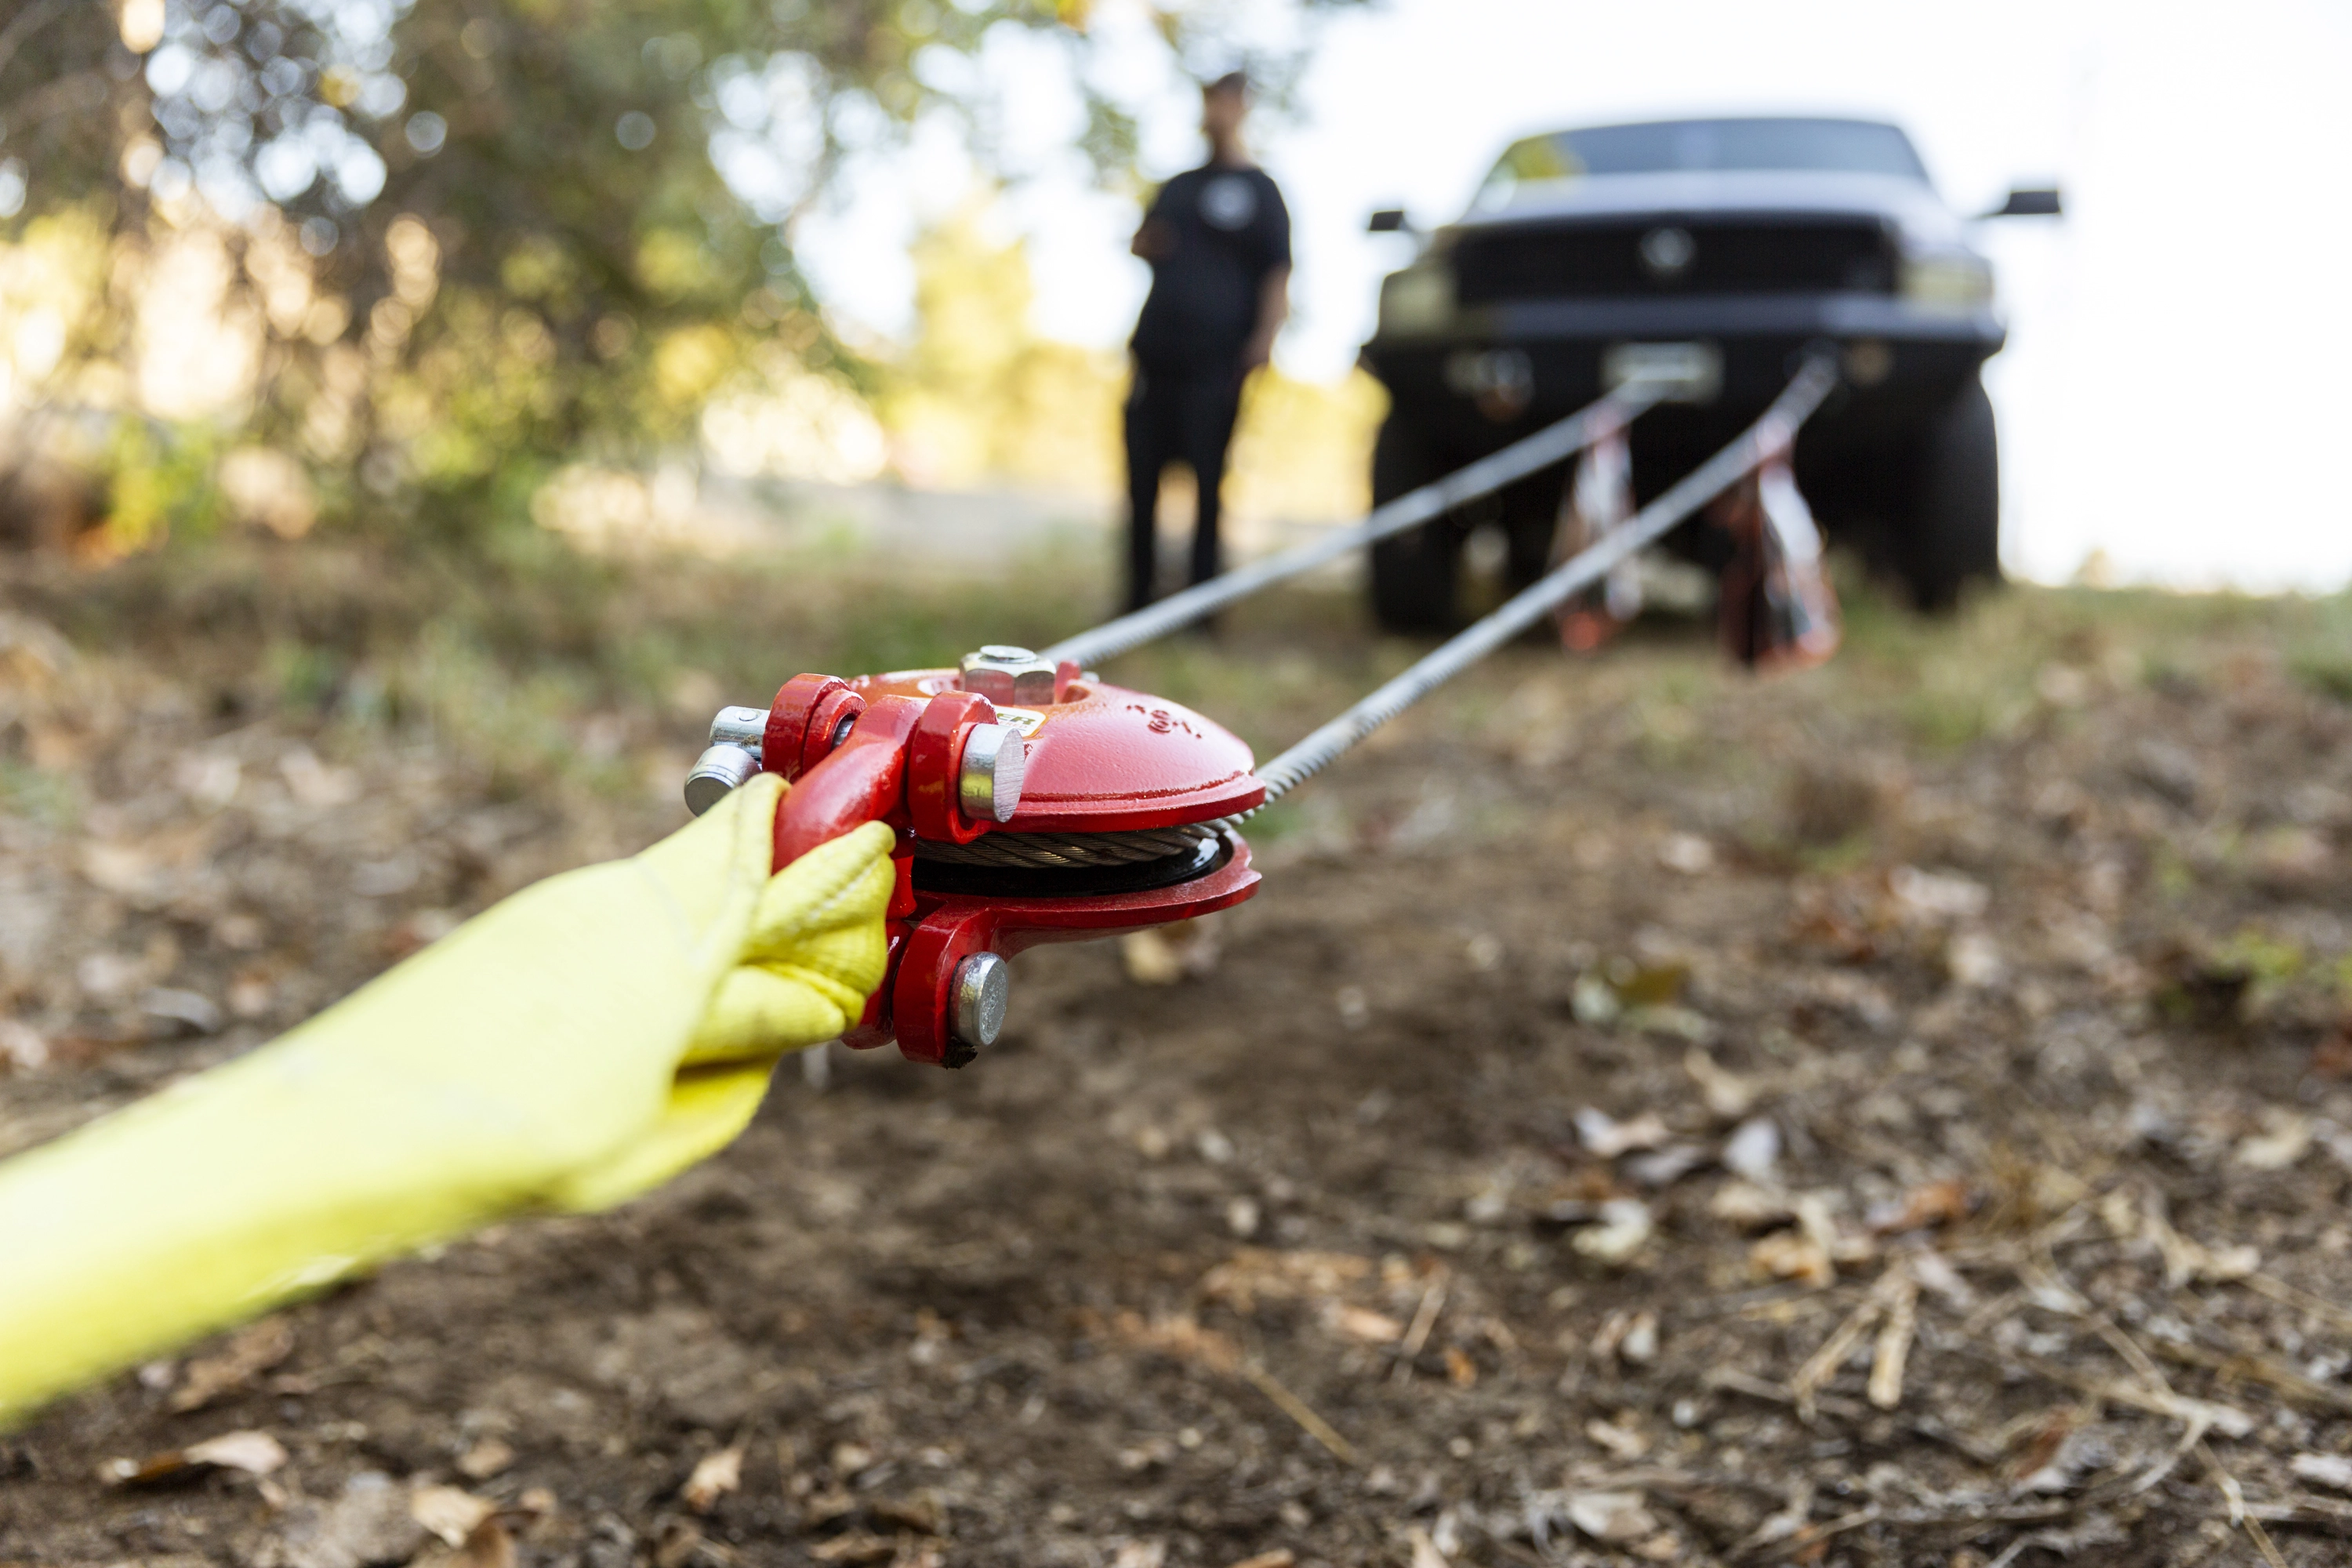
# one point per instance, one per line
(486, 237)
(160, 483)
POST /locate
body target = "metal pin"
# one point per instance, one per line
(717, 772)
(988, 780)
(983, 986)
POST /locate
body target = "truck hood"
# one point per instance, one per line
(1912, 206)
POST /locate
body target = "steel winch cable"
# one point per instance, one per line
(1613, 411)
(1770, 434)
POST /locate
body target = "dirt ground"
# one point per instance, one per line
(1898, 1114)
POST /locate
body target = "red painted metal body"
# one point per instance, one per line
(1100, 760)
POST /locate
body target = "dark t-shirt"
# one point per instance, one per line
(1230, 230)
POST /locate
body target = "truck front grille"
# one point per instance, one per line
(1604, 260)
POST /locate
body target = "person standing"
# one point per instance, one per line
(1218, 239)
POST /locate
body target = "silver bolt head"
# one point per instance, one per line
(1007, 676)
(717, 772)
(983, 988)
(744, 727)
(988, 778)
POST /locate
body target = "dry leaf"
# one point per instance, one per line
(450, 1512)
(1606, 1137)
(1623, 1444)
(1727, 1095)
(1364, 1325)
(1625, 1229)
(1927, 898)
(715, 1475)
(2323, 1469)
(2287, 1141)
(485, 1459)
(250, 1352)
(922, 1514)
(1181, 1337)
(1945, 1202)
(255, 1453)
(1425, 1554)
(855, 1547)
(488, 1547)
(1611, 1516)
(1280, 1557)
(1753, 1149)
(1973, 960)
(1686, 852)
(1749, 1206)
(369, 1522)
(1162, 956)
(1792, 1255)
(1254, 1272)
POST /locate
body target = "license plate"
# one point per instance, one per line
(1692, 372)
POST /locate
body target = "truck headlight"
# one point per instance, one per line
(1416, 301)
(1947, 280)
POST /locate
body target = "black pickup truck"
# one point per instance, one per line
(1721, 250)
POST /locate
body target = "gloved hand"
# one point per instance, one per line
(573, 1047)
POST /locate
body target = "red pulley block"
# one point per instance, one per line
(1032, 805)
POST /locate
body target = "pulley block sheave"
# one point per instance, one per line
(1034, 804)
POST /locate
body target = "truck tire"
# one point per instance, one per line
(1413, 573)
(1955, 534)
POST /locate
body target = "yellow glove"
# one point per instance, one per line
(573, 1047)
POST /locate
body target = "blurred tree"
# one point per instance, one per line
(979, 393)
(478, 235)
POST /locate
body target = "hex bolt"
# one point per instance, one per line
(988, 778)
(984, 985)
(1008, 675)
(721, 769)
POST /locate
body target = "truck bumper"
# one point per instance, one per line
(1902, 363)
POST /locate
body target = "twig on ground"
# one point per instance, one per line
(1298, 1410)
(1893, 1285)
(1812, 1534)
(2247, 1367)
(2302, 1508)
(2236, 1498)
(2302, 1301)
(2227, 1419)
(1424, 1319)
(1893, 1348)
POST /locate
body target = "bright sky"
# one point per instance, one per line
(2174, 393)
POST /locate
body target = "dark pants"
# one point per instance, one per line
(1185, 419)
